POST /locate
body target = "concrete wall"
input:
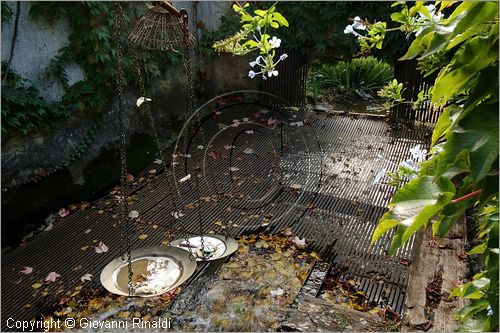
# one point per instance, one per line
(24, 156)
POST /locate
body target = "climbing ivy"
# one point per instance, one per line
(464, 175)
(89, 47)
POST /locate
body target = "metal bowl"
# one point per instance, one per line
(156, 270)
(218, 246)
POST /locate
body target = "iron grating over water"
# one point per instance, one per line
(321, 177)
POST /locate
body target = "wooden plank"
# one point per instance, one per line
(438, 265)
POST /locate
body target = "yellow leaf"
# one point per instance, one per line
(314, 255)
(124, 314)
(36, 285)
(84, 248)
(100, 212)
(155, 226)
(143, 237)
(28, 305)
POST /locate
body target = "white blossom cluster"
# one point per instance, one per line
(266, 64)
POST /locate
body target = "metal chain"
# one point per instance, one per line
(125, 221)
(168, 173)
(191, 108)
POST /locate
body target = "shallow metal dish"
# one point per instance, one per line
(175, 268)
(224, 246)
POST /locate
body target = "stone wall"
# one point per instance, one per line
(25, 156)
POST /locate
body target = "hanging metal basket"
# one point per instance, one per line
(214, 246)
(156, 270)
(162, 28)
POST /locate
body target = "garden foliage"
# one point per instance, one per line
(464, 176)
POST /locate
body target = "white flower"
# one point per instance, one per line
(256, 62)
(358, 24)
(418, 154)
(409, 164)
(274, 42)
(348, 29)
(272, 72)
(252, 74)
(283, 56)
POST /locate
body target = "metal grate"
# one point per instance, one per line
(337, 218)
(290, 84)
(414, 82)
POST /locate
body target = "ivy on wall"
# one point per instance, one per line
(90, 47)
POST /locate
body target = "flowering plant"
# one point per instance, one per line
(254, 37)
(458, 41)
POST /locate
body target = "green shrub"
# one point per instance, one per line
(359, 76)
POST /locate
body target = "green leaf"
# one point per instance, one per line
(476, 55)
(472, 309)
(382, 228)
(280, 18)
(477, 134)
(415, 204)
(478, 249)
(473, 289)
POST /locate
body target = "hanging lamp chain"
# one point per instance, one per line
(161, 155)
(125, 221)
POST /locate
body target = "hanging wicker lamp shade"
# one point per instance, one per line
(162, 28)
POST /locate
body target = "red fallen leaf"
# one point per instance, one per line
(405, 262)
(52, 277)
(129, 177)
(64, 300)
(63, 212)
(101, 248)
(213, 154)
(26, 270)
(271, 121)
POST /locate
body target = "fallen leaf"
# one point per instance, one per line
(271, 121)
(227, 147)
(87, 231)
(296, 186)
(248, 151)
(234, 169)
(26, 270)
(52, 277)
(143, 236)
(152, 171)
(186, 178)
(299, 242)
(36, 285)
(141, 100)
(101, 248)
(200, 147)
(297, 123)
(277, 292)
(158, 161)
(86, 277)
(177, 215)
(133, 214)
(249, 131)
(129, 177)
(213, 155)
(63, 212)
